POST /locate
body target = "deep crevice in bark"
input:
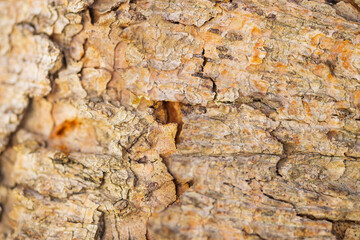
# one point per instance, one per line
(174, 115)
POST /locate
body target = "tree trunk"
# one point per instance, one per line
(180, 119)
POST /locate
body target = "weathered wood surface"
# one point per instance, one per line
(180, 119)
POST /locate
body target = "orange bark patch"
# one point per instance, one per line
(258, 54)
(357, 98)
(65, 127)
(256, 32)
(281, 68)
(316, 39)
(296, 140)
(307, 108)
(345, 62)
(261, 85)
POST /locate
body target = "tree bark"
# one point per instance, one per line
(180, 119)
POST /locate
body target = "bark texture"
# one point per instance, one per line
(180, 119)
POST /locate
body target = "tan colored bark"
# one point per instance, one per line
(205, 119)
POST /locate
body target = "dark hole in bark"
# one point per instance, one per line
(174, 115)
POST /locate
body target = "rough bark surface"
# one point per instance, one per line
(180, 119)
